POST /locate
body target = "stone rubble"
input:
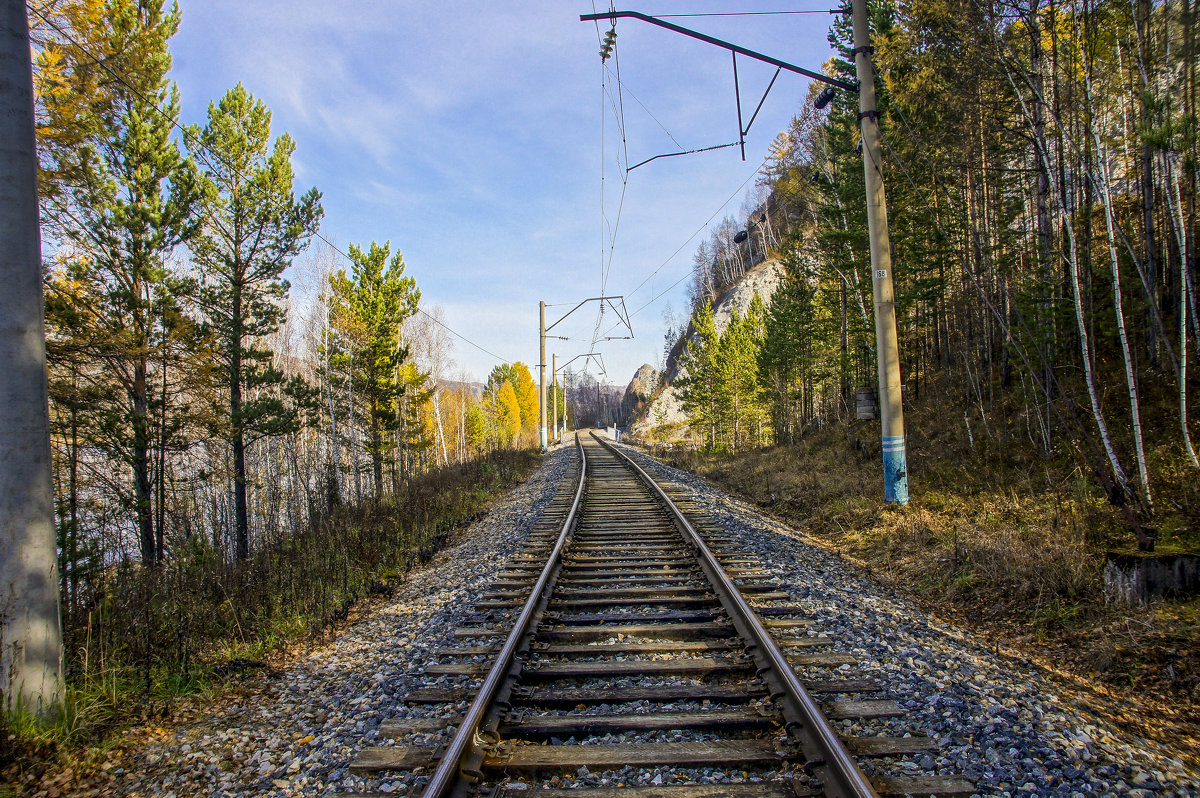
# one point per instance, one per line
(298, 735)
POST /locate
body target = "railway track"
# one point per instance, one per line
(622, 642)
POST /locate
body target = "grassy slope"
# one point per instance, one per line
(998, 540)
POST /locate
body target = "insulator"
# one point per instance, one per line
(825, 97)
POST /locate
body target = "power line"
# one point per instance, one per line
(750, 13)
(691, 237)
(651, 115)
(184, 135)
(699, 230)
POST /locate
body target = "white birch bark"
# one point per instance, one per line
(1175, 199)
(1085, 350)
(1118, 307)
(437, 414)
(1135, 410)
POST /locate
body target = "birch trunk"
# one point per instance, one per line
(333, 430)
(1175, 200)
(1085, 351)
(437, 413)
(1118, 308)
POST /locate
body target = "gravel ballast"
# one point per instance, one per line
(298, 732)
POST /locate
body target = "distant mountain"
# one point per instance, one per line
(475, 388)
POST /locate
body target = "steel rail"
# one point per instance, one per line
(447, 773)
(818, 742)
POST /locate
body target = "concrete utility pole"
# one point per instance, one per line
(554, 396)
(31, 636)
(542, 373)
(891, 408)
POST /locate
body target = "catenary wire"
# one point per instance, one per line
(748, 13)
(693, 236)
(671, 257)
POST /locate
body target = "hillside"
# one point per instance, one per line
(995, 542)
(665, 410)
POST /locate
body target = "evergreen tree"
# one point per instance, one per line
(368, 308)
(557, 399)
(130, 199)
(787, 353)
(741, 398)
(476, 423)
(90, 57)
(699, 388)
(253, 228)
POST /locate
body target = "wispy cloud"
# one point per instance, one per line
(470, 135)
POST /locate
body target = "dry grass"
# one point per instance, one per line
(201, 624)
(993, 538)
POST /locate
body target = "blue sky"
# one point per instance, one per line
(470, 136)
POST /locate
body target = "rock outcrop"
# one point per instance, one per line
(666, 409)
(639, 391)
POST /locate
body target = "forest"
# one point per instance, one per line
(1041, 168)
(237, 459)
(254, 428)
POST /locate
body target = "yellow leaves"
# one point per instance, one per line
(509, 410)
(527, 395)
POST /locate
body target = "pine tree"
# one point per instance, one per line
(741, 396)
(787, 353)
(90, 57)
(253, 228)
(699, 389)
(369, 307)
(476, 423)
(130, 199)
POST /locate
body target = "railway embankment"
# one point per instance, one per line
(1014, 719)
(292, 730)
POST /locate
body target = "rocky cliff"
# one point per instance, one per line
(665, 408)
(639, 391)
